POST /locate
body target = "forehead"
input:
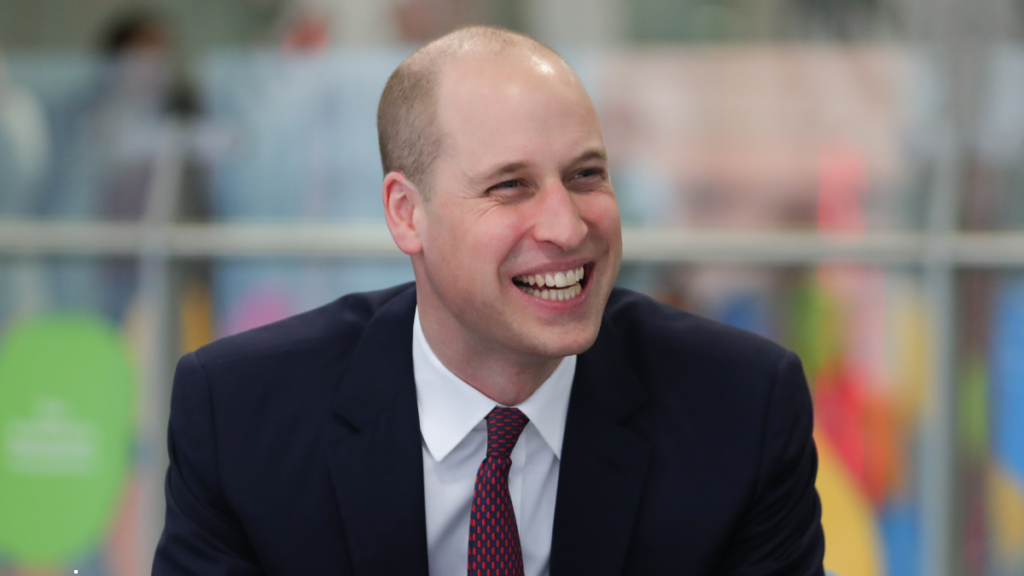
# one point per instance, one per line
(498, 104)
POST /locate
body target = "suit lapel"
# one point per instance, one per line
(375, 457)
(603, 464)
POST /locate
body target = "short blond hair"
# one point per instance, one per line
(407, 127)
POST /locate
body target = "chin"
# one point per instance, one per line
(570, 344)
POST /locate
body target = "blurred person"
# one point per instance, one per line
(142, 96)
(141, 48)
(146, 96)
(24, 146)
(106, 135)
(104, 139)
(143, 89)
(510, 412)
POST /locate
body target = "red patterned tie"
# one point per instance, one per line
(493, 535)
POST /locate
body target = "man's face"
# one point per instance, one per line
(521, 192)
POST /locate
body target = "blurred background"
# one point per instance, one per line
(843, 176)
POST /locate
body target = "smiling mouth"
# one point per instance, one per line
(564, 285)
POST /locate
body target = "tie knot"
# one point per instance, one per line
(504, 425)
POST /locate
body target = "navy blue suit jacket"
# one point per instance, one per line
(295, 449)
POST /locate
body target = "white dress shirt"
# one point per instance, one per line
(455, 443)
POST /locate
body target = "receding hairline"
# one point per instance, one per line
(408, 126)
(474, 41)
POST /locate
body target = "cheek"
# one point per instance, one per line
(471, 253)
(448, 232)
(602, 212)
(499, 232)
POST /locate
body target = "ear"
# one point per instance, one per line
(402, 201)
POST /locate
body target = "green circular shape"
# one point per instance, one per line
(66, 432)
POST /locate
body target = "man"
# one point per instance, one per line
(510, 413)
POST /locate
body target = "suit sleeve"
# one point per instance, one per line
(201, 536)
(781, 533)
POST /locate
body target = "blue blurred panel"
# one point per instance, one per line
(41, 149)
(295, 139)
(1008, 376)
(1006, 471)
(1001, 133)
(93, 141)
(249, 294)
(106, 287)
(1001, 148)
(901, 528)
(748, 311)
(298, 134)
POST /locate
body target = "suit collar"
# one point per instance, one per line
(381, 365)
(604, 463)
(375, 457)
(377, 466)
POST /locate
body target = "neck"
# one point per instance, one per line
(507, 378)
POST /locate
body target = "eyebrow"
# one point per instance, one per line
(592, 154)
(513, 167)
(504, 170)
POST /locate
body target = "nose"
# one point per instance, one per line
(558, 219)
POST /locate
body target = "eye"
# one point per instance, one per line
(508, 188)
(587, 179)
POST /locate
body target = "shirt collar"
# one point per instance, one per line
(449, 408)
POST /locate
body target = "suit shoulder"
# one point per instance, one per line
(648, 324)
(334, 324)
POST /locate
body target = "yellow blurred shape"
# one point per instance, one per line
(196, 314)
(853, 546)
(909, 345)
(1006, 503)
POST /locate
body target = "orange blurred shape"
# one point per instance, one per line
(879, 446)
(1005, 494)
(196, 315)
(122, 552)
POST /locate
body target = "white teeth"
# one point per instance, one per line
(558, 286)
(567, 293)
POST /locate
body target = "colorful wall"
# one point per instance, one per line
(742, 138)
